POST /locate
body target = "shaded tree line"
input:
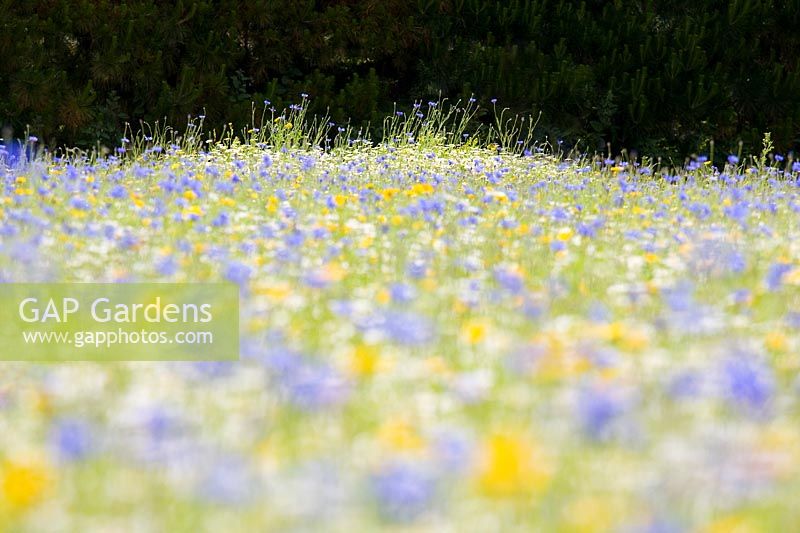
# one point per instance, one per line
(663, 77)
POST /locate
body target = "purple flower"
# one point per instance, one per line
(167, 266)
(403, 327)
(407, 328)
(417, 269)
(733, 160)
(238, 272)
(79, 203)
(598, 409)
(403, 491)
(118, 191)
(774, 278)
(453, 451)
(72, 439)
(748, 382)
(307, 163)
(402, 292)
(221, 219)
(307, 384)
(685, 384)
(127, 241)
(510, 280)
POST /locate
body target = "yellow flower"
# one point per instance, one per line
(383, 297)
(364, 360)
(513, 465)
(625, 336)
(288, 126)
(389, 192)
(24, 484)
(564, 234)
(398, 434)
(732, 524)
(776, 341)
(473, 332)
(192, 210)
(421, 188)
(333, 272)
(276, 292)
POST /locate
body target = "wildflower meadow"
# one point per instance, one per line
(444, 329)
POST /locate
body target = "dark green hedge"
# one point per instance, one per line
(658, 76)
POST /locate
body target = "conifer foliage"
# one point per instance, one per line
(663, 76)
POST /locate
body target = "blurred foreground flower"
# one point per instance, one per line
(513, 465)
(24, 484)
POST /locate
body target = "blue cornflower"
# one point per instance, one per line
(403, 491)
(748, 382)
(221, 219)
(598, 409)
(118, 191)
(738, 211)
(509, 279)
(72, 439)
(774, 278)
(79, 203)
(307, 163)
(402, 292)
(453, 451)
(167, 266)
(310, 385)
(403, 327)
(741, 296)
(685, 384)
(238, 272)
(792, 319)
(733, 160)
(417, 269)
(127, 241)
